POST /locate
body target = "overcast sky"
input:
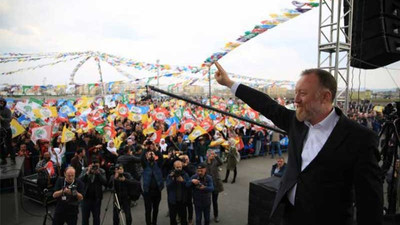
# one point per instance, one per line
(177, 32)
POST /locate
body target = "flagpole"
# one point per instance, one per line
(216, 110)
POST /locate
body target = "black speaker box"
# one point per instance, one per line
(376, 8)
(380, 26)
(34, 193)
(261, 199)
(376, 33)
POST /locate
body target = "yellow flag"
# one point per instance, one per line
(217, 142)
(66, 135)
(90, 125)
(145, 119)
(135, 117)
(149, 130)
(16, 128)
(197, 132)
(117, 142)
(53, 111)
(45, 112)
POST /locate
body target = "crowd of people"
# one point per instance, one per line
(133, 163)
(82, 168)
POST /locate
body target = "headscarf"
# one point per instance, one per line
(113, 149)
(163, 147)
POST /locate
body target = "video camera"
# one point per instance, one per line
(392, 112)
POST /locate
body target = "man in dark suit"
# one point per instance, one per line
(332, 160)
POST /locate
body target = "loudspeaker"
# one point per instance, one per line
(376, 33)
(261, 199)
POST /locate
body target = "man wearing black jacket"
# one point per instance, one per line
(332, 160)
(190, 169)
(176, 188)
(128, 161)
(122, 182)
(94, 178)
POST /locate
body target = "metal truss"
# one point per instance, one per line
(334, 43)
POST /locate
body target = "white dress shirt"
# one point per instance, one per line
(316, 137)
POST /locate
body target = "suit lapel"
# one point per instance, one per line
(338, 134)
(302, 137)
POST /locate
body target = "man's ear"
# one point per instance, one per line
(327, 96)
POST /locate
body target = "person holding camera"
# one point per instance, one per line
(176, 188)
(202, 186)
(94, 178)
(122, 182)
(152, 182)
(190, 169)
(68, 192)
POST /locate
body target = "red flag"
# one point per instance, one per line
(156, 137)
(187, 125)
(41, 133)
(239, 145)
(207, 125)
(160, 114)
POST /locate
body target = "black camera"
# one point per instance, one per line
(176, 173)
(120, 175)
(73, 188)
(95, 167)
(199, 184)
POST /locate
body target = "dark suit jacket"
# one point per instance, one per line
(346, 168)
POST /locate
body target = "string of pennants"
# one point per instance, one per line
(274, 20)
(165, 70)
(119, 86)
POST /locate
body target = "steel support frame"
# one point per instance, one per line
(334, 44)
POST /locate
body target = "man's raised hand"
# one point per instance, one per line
(222, 76)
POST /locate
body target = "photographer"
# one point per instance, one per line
(152, 182)
(5, 133)
(190, 169)
(168, 164)
(68, 194)
(176, 189)
(202, 186)
(121, 182)
(94, 178)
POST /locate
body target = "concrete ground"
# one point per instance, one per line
(233, 202)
